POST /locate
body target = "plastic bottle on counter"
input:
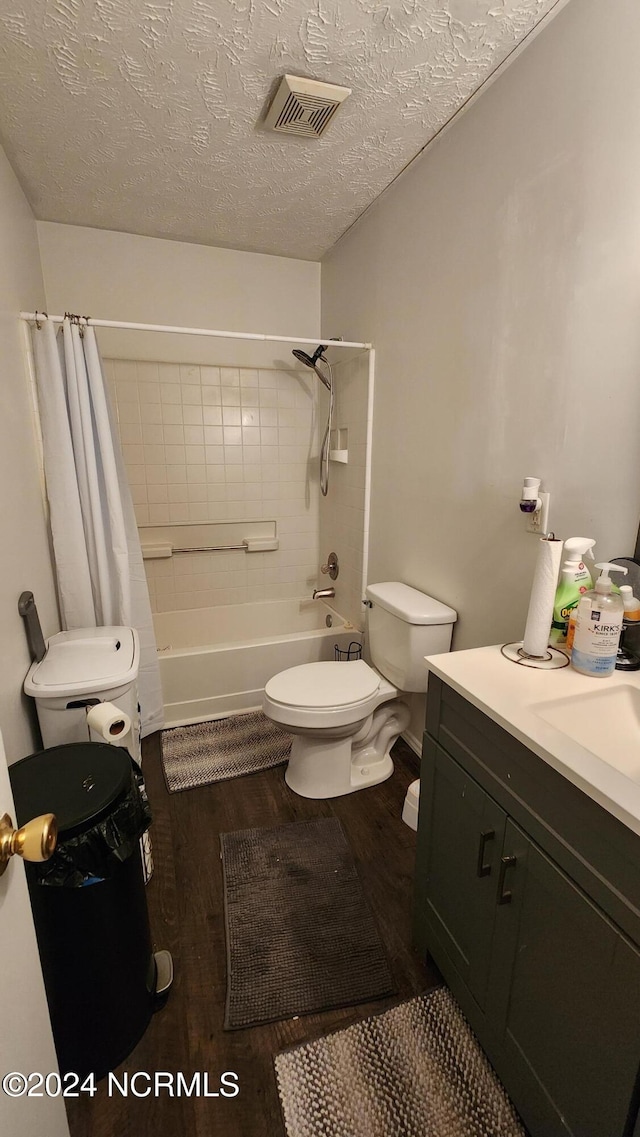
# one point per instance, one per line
(628, 659)
(631, 604)
(598, 627)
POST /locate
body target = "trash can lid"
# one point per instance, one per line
(85, 661)
(79, 782)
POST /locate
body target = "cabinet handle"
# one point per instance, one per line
(487, 835)
(504, 897)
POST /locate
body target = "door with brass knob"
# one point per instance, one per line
(26, 1046)
(35, 841)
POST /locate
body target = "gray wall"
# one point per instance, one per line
(24, 549)
(499, 280)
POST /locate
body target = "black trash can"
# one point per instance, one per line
(89, 902)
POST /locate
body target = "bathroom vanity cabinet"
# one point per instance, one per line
(528, 900)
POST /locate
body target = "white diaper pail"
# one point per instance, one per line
(81, 668)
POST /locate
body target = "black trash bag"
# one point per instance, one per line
(95, 854)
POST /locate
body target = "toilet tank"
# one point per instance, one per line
(404, 626)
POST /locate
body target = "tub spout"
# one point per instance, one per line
(324, 593)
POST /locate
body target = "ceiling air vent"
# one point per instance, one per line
(304, 106)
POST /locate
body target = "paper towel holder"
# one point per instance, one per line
(553, 658)
(551, 661)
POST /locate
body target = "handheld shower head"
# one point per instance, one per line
(312, 362)
(302, 357)
(308, 360)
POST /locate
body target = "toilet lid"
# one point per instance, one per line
(324, 684)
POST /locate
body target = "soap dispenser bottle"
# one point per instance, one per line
(598, 626)
(628, 659)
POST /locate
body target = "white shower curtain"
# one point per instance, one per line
(98, 560)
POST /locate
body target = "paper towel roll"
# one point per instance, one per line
(543, 591)
(109, 722)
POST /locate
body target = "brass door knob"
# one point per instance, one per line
(34, 841)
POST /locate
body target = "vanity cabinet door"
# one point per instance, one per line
(461, 835)
(565, 987)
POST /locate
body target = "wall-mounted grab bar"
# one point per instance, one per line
(157, 550)
(210, 548)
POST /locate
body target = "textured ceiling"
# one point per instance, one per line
(144, 117)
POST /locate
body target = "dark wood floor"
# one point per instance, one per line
(186, 911)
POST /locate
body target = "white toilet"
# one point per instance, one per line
(345, 717)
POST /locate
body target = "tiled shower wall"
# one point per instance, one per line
(221, 444)
(342, 511)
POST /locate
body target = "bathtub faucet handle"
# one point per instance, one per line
(324, 593)
(332, 567)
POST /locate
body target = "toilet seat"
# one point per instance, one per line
(325, 694)
(324, 684)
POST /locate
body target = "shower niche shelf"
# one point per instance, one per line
(339, 445)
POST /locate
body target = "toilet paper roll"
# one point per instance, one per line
(543, 591)
(109, 722)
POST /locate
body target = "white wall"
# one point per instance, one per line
(142, 279)
(212, 429)
(24, 551)
(499, 280)
(218, 445)
(342, 510)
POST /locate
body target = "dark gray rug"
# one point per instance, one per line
(225, 748)
(414, 1071)
(300, 935)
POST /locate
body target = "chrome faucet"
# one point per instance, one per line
(324, 593)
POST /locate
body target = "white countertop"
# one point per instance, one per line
(518, 697)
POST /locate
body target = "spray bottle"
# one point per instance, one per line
(575, 580)
(598, 626)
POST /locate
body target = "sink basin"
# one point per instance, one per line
(606, 722)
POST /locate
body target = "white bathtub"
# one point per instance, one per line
(216, 661)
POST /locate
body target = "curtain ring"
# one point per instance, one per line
(39, 322)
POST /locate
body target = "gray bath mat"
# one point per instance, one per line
(414, 1071)
(226, 748)
(300, 935)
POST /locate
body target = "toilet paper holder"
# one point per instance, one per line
(109, 721)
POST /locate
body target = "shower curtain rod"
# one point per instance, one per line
(31, 318)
